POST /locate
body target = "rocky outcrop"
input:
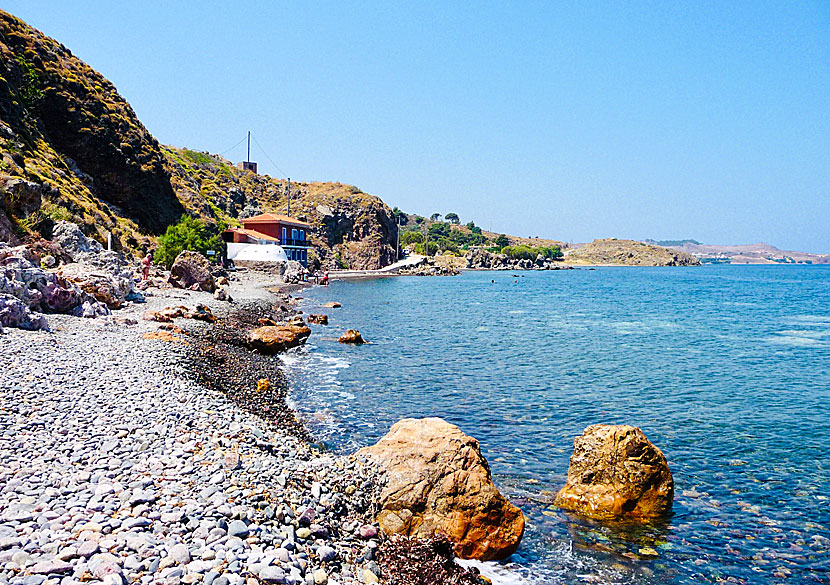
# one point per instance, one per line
(478, 259)
(15, 313)
(273, 339)
(349, 228)
(65, 121)
(616, 473)
(191, 270)
(353, 337)
(293, 272)
(318, 319)
(39, 291)
(429, 267)
(437, 482)
(629, 253)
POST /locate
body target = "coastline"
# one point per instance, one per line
(120, 462)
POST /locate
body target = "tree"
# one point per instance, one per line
(453, 218)
(433, 248)
(188, 234)
(502, 241)
(411, 238)
(435, 217)
(399, 216)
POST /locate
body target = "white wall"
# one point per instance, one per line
(256, 252)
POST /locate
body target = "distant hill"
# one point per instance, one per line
(759, 253)
(668, 243)
(628, 253)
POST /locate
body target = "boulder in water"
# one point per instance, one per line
(616, 473)
(272, 339)
(352, 336)
(439, 483)
(318, 319)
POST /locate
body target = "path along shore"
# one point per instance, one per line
(117, 465)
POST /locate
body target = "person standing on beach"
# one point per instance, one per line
(326, 278)
(145, 266)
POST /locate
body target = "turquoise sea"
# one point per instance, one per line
(725, 368)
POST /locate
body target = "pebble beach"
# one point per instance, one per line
(117, 465)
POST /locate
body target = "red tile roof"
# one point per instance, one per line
(274, 218)
(253, 234)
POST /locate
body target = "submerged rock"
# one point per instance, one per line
(277, 338)
(192, 270)
(439, 483)
(616, 473)
(352, 336)
(318, 319)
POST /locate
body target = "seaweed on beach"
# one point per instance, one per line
(220, 361)
(406, 560)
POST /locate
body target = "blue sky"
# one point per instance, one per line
(564, 120)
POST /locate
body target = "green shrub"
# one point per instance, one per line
(29, 91)
(432, 249)
(188, 234)
(411, 238)
(501, 241)
(524, 252)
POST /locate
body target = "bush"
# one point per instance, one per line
(523, 252)
(520, 252)
(188, 234)
(411, 238)
(432, 249)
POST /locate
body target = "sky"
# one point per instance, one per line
(571, 121)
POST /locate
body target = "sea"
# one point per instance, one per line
(725, 368)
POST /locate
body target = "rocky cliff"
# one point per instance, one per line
(628, 252)
(72, 147)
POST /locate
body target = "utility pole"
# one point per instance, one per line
(289, 197)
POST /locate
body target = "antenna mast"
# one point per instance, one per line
(289, 197)
(249, 147)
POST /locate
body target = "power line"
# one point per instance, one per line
(234, 146)
(284, 174)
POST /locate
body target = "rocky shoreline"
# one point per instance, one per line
(119, 464)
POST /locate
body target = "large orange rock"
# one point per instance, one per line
(277, 338)
(616, 473)
(439, 483)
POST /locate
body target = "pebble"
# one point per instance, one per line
(132, 472)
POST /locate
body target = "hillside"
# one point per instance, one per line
(760, 253)
(351, 228)
(629, 253)
(71, 148)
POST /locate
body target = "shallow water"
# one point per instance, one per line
(725, 368)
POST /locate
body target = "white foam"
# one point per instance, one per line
(796, 341)
(498, 574)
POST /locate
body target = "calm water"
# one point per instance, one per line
(725, 368)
